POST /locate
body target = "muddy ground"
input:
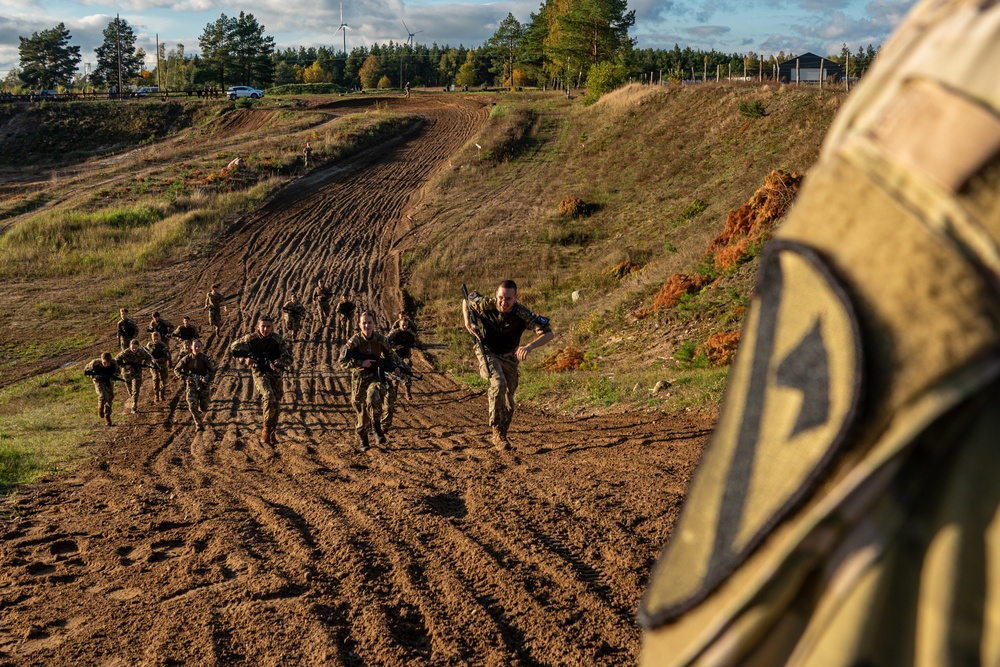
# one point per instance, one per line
(176, 547)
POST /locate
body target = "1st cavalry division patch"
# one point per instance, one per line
(792, 395)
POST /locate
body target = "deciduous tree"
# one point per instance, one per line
(370, 72)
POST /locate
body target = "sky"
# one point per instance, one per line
(740, 26)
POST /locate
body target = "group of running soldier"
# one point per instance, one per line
(379, 363)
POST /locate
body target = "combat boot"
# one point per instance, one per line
(379, 435)
(363, 442)
(272, 438)
(409, 396)
(499, 439)
(100, 410)
(107, 418)
(265, 435)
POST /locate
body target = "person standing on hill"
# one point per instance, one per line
(132, 360)
(369, 385)
(268, 356)
(127, 329)
(214, 301)
(292, 314)
(197, 371)
(160, 353)
(345, 315)
(321, 297)
(501, 321)
(103, 371)
(307, 154)
(164, 327)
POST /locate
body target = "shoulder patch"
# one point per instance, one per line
(791, 399)
(539, 320)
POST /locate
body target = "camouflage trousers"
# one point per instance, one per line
(214, 317)
(371, 402)
(124, 342)
(323, 312)
(105, 396)
(292, 324)
(502, 372)
(197, 399)
(343, 327)
(159, 376)
(133, 384)
(271, 390)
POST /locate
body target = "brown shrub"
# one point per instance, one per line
(677, 286)
(720, 348)
(564, 359)
(756, 218)
(732, 256)
(622, 269)
(572, 207)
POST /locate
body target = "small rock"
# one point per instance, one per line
(577, 295)
(662, 385)
(637, 387)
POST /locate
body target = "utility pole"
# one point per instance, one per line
(118, 49)
(157, 62)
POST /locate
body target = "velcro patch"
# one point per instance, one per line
(792, 396)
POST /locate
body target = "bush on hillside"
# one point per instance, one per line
(307, 89)
(720, 348)
(603, 78)
(753, 109)
(622, 269)
(676, 287)
(572, 207)
(570, 358)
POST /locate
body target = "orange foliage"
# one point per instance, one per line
(755, 218)
(565, 359)
(622, 269)
(720, 348)
(677, 286)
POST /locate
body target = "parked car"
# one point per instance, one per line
(48, 93)
(147, 90)
(244, 91)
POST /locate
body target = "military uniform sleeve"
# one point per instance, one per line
(240, 344)
(210, 372)
(534, 321)
(345, 362)
(180, 368)
(285, 360)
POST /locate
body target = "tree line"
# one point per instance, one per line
(566, 43)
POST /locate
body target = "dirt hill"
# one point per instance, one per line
(163, 545)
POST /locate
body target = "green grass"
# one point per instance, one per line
(43, 426)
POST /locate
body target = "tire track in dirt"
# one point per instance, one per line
(177, 547)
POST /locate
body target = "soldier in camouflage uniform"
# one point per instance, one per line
(274, 356)
(163, 327)
(321, 297)
(132, 361)
(197, 371)
(103, 371)
(503, 320)
(846, 510)
(160, 353)
(127, 329)
(369, 385)
(403, 341)
(186, 331)
(214, 304)
(345, 316)
(292, 314)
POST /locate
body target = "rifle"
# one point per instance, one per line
(102, 376)
(197, 379)
(385, 366)
(263, 364)
(474, 320)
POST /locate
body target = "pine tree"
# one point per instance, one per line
(250, 50)
(504, 48)
(117, 35)
(47, 58)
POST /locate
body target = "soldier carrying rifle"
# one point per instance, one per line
(103, 371)
(197, 371)
(268, 356)
(292, 314)
(132, 361)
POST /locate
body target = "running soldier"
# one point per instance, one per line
(321, 297)
(196, 370)
(214, 301)
(104, 372)
(132, 361)
(164, 327)
(369, 385)
(845, 511)
(345, 317)
(307, 154)
(186, 331)
(503, 320)
(127, 329)
(403, 341)
(160, 353)
(292, 314)
(268, 356)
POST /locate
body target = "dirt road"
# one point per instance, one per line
(177, 547)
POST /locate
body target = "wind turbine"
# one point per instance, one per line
(343, 26)
(409, 39)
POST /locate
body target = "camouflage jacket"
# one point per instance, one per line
(163, 327)
(322, 294)
(273, 348)
(160, 352)
(376, 346)
(214, 301)
(127, 328)
(100, 373)
(132, 363)
(501, 332)
(195, 364)
(293, 309)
